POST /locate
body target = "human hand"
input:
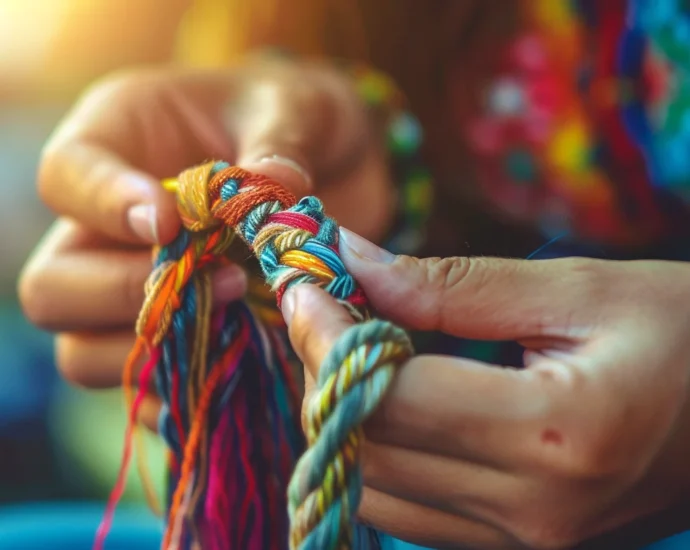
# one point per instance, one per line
(589, 436)
(301, 124)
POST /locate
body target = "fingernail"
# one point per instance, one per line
(360, 247)
(287, 304)
(229, 284)
(289, 163)
(142, 220)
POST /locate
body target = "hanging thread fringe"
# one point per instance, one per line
(231, 414)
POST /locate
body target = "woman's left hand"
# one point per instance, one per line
(591, 435)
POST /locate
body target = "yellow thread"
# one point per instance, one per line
(192, 198)
(170, 185)
(289, 240)
(307, 262)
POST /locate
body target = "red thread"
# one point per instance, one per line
(296, 220)
(118, 490)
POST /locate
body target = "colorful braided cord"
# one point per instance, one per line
(231, 414)
(586, 125)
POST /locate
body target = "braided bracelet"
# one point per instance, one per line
(231, 414)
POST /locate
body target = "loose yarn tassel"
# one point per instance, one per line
(231, 413)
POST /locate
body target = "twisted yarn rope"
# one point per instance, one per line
(226, 382)
(326, 487)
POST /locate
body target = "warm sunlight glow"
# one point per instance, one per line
(27, 28)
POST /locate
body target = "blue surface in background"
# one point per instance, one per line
(73, 526)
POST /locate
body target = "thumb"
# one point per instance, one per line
(312, 341)
(478, 298)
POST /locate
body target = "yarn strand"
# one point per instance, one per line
(240, 476)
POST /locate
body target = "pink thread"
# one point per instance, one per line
(119, 489)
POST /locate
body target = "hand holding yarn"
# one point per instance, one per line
(100, 173)
(592, 434)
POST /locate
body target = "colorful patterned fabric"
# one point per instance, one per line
(586, 126)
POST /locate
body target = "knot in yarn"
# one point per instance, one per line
(192, 199)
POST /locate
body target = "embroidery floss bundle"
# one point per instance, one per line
(231, 414)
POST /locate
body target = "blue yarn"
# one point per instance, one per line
(310, 206)
(229, 189)
(218, 166)
(174, 250)
(328, 232)
(183, 321)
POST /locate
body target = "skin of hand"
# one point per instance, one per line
(300, 123)
(592, 434)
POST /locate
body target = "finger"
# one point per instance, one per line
(315, 321)
(71, 284)
(449, 484)
(303, 130)
(479, 298)
(427, 527)
(501, 417)
(479, 412)
(87, 182)
(94, 360)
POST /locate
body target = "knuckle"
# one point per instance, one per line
(439, 276)
(47, 179)
(32, 296)
(445, 273)
(35, 283)
(68, 360)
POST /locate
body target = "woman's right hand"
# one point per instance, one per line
(301, 124)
